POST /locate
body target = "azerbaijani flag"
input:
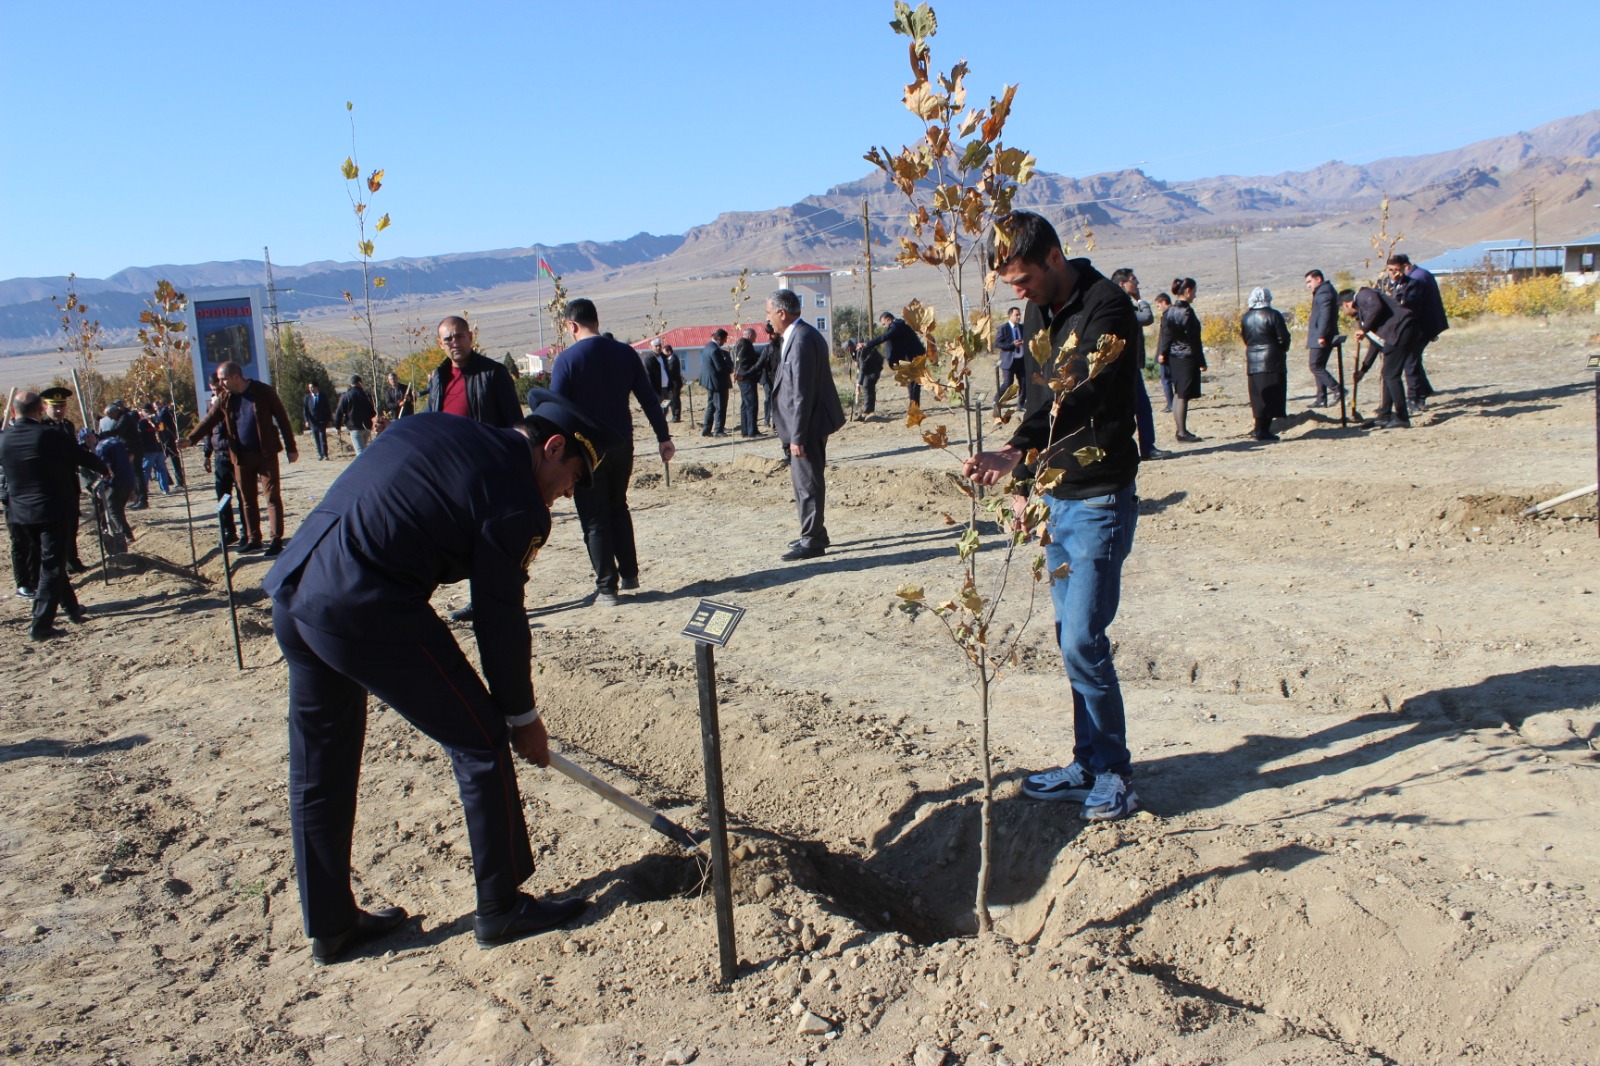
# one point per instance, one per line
(544, 269)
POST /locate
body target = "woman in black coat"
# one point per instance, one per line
(1180, 349)
(1266, 347)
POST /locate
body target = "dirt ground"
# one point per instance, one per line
(1364, 703)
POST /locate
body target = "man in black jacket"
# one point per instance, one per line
(1418, 293)
(903, 344)
(317, 415)
(469, 383)
(1093, 506)
(397, 399)
(747, 366)
(41, 475)
(716, 377)
(1388, 327)
(1320, 331)
(355, 410)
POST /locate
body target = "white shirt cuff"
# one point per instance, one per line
(525, 718)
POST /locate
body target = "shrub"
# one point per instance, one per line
(1219, 331)
(1546, 295)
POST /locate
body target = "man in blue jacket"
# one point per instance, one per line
(716, 377)
(1320, 331)
(903, 346)
(432, 501)
(598, 375)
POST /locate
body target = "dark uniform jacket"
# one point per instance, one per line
(432, 501)
(41, 472)
(491, 394)
(716, 368)
(1099, 413)
(1266, 341)
(903, 342)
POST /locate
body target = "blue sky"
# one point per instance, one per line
(144, 134)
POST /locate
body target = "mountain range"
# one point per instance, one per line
(1481, 191)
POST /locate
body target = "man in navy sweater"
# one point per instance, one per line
(597, 375)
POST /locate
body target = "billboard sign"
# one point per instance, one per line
(226, 326)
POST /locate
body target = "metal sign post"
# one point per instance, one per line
(227, 573)
(713, 624)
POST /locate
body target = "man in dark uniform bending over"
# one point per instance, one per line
(432, 501)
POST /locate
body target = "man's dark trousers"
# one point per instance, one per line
(24, 554)
(1327, 384)
(319, 434)
(810, 492)
(1397, 360)
(749, 411)
(1418, 387)
(869, 393)
(54, 591)
(716, 411)
(432, 686)
(222, 481)
(607, 525)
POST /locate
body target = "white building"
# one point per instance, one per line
(814, 285)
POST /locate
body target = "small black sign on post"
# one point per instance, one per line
(713, 624)
(227, 573)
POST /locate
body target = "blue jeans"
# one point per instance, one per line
(1092, 537)
(155, 465)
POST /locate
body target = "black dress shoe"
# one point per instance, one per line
(462, 614)
(47, 633)
(370, 925)
(78, 614)
(76, 567)
(275, 548)
(528, 917)
(250, 546)
(802, 552)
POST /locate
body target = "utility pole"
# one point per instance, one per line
(866, 240)
(1238, 290)
(1533, 267)
(274, 348)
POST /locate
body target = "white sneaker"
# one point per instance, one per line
(1110, 799)
(1066, 783)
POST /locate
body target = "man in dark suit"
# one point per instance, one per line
(806, 410)
(1389, 328)
(1320, 331)
(433, 500)
(747, 363)
(716, 377)
(1419, 294)
(41, 474)
(317, 415)
(904, 346)
(1009, 343)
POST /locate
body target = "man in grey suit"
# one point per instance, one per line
(1320, 332)
(805, 410)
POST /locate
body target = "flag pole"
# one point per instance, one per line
(538, 295)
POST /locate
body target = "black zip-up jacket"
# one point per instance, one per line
(1098, 413)
(491, 394)
(1266, 341)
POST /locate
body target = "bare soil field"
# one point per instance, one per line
(1364, 703)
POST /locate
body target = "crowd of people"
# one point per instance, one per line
(463, 493)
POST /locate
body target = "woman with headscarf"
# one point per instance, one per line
(1266, 345)
(1179, 348)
